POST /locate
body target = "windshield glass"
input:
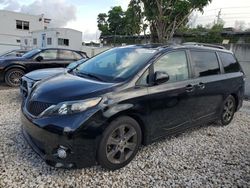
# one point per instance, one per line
(75, 64)
(31, 53)
(115, 65)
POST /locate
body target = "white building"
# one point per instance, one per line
(14, 26)
(53, 38)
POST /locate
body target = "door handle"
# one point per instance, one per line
(189, 88)
(201, 85)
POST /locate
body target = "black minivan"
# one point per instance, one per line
(103, 110)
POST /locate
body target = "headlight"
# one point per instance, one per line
(70, 107)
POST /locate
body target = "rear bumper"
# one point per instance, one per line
(81, 152)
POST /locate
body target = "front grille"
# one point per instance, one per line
(24, 88)
(36, 108)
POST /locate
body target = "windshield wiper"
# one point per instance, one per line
(89, 75)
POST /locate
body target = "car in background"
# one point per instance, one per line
(14, 53)
(102, 111)
(13, 68)
(29, 79)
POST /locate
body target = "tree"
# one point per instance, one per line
(166, 16)
(116, 21)
(133, 17)
(102, 24)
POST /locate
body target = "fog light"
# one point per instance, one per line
(61, 153)
(59, 165)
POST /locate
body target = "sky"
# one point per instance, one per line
(82, 14)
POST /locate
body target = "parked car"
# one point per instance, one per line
(29, 79)
(13, 68)
(102, 111)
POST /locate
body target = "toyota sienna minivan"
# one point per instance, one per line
(101, 112)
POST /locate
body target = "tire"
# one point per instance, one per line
(228, 111)
(12, 77)
(119, 144)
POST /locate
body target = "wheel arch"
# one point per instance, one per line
(14, 67)
(236, 100)
(137, 117)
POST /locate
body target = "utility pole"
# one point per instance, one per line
(218, 17)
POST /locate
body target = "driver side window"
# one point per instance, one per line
(174, 64)
(48, 54)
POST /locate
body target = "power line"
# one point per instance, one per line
(228, 8)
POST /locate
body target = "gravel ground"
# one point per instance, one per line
(209, 156)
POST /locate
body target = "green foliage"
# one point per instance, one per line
(133, 17)
(102, 23)
(116, 21)
(203, 34)
(166, 16)
(119, 22)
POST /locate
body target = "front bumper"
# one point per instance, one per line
(1, 74)
(81, 149)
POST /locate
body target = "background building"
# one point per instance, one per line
(53, 38)
(14, 26)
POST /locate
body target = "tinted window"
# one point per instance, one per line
(48, 54)
(77, 56)
(65, 54)
(230, 64)
(175, 64)
(205, 63)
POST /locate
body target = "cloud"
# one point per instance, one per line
(59, 11)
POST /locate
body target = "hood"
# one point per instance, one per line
(11, 58)
(40, 74)
(68, 87)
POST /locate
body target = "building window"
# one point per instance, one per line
(49, 41)
(22, 25)
(63, 42)
(19, 24)
(35, 41)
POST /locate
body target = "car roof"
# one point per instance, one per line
(59, 49)
(166, 47)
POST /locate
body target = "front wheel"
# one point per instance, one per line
(229, 108)
(13, 77)
(119, 143)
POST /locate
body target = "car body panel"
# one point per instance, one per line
(160, 110)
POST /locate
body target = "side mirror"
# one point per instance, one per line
(39, 58)
(160, 77)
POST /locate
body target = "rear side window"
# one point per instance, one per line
(77, 56)
(205, 63)
(229, 62)
(66, 54)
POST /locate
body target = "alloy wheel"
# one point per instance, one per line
(121, 144)
(228, 110)
(15, 76)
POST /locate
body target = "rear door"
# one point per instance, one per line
(65, 57)
(208, 86)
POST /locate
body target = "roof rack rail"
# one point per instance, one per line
(204, 44)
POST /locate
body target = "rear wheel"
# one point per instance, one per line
(13, 76)
(120, 143)
(229, 108)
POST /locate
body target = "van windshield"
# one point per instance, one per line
(115, 65)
